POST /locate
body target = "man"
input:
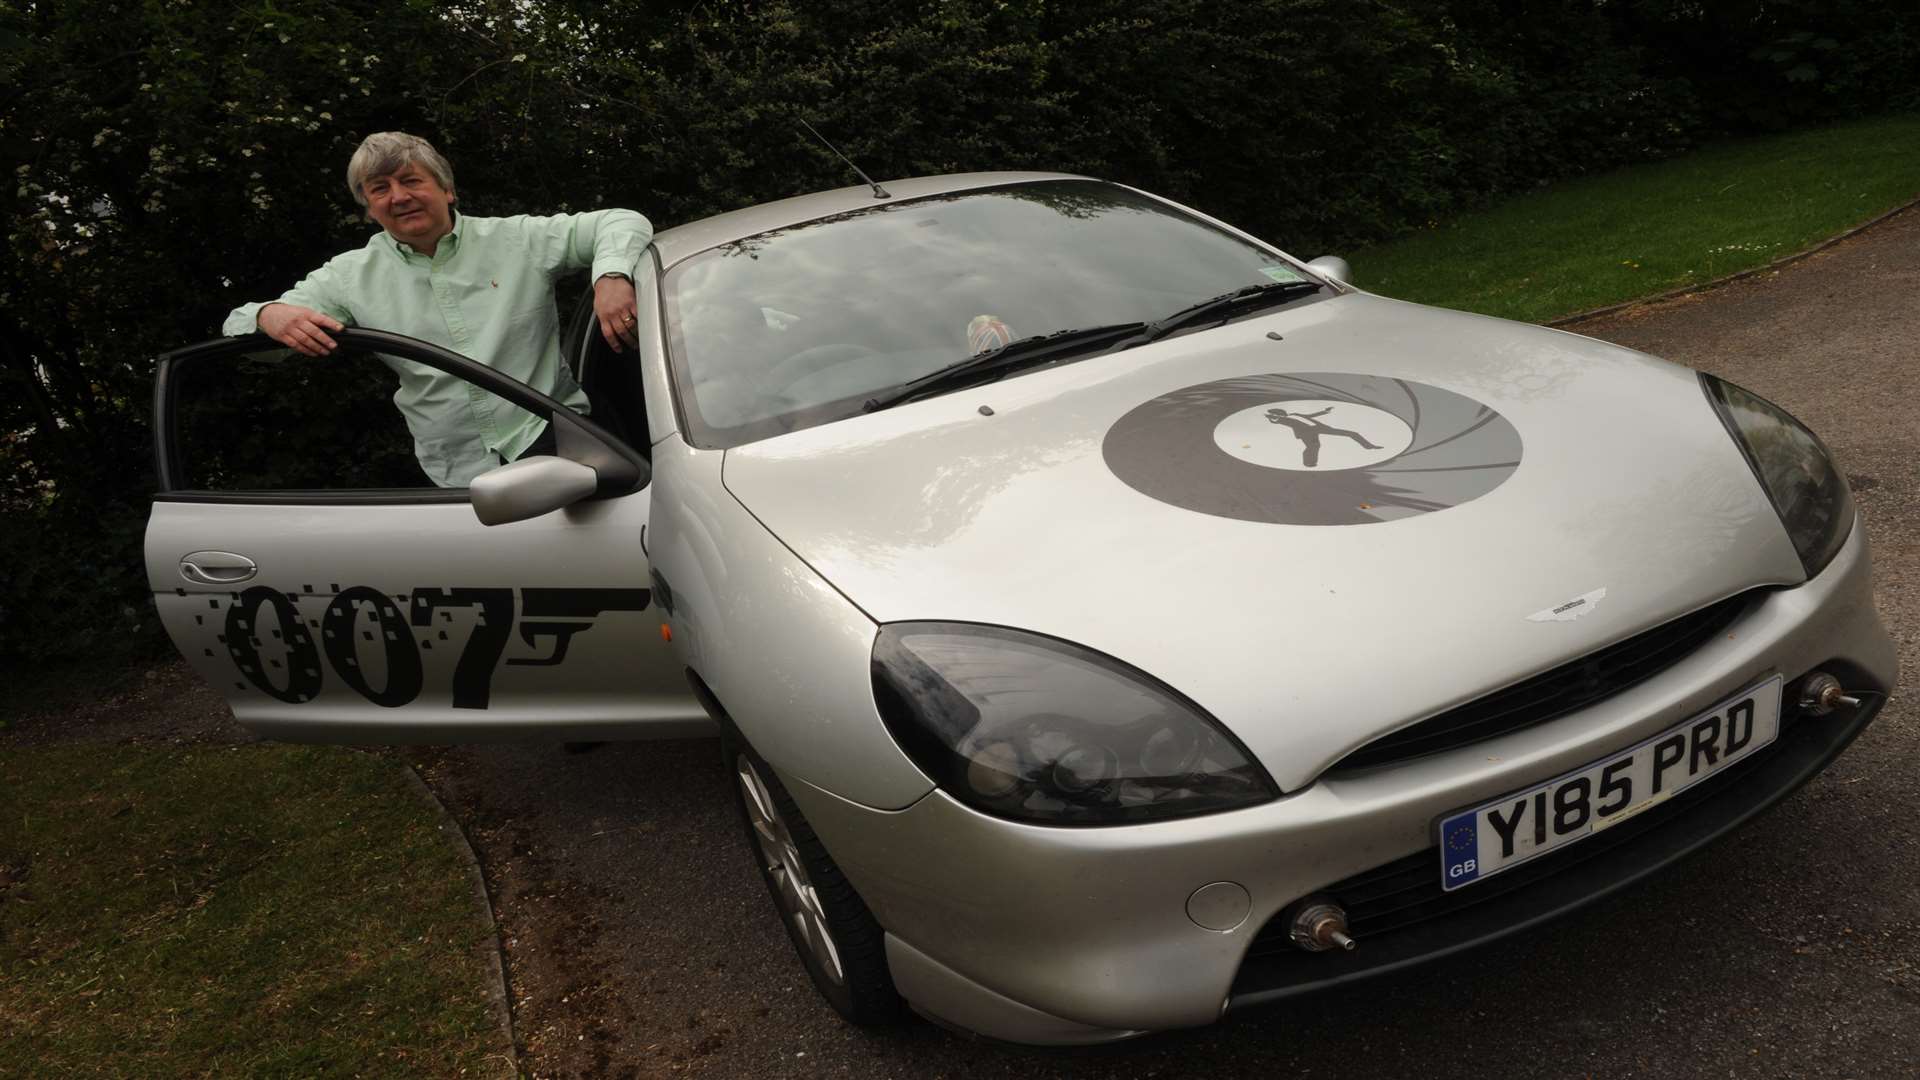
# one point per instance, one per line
(482, 287)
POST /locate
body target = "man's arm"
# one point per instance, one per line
(301, 319)
(608, 243)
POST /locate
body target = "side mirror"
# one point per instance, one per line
(1332, 266)
(528, 488)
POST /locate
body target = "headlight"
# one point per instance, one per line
(1807, 491)
(1026, 727)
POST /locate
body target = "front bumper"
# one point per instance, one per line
(1056, 935)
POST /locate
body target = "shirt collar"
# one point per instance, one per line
(407, 252)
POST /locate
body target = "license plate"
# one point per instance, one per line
(1475, 844)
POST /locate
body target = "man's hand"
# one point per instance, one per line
(615, 307)
(303, 330)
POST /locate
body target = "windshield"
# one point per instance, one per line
(802, 325)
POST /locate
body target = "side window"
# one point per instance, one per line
(611, 379)
(240, 419)
(273, 421)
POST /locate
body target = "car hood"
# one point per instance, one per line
(1544, 495)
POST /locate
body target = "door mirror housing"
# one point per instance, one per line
(1332, 266)
(529, 488)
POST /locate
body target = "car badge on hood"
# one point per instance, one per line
(1571, 609)
(1313, 448)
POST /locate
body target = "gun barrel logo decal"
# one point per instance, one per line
(1313, 448)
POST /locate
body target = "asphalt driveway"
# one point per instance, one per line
(640, 941)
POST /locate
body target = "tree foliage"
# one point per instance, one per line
(166, 161)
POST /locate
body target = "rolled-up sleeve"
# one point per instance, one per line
(600, 241)
(313, 291)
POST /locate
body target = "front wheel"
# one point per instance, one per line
(838, 939)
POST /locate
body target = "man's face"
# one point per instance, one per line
(411, 205)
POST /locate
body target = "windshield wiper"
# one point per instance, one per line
(1030, 350)
(1249, 296)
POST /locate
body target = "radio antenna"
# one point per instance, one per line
(878, 191)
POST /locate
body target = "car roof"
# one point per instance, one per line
(683, 240)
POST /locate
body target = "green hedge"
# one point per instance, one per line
(165, 163)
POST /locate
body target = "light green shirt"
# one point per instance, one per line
(486, 293)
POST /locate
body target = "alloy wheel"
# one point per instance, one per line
(780, 857)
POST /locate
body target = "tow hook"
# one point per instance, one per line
(1319, 924)
(1820, 694)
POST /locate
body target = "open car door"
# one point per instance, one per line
(306, 567)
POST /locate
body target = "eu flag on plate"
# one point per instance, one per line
(1460, 849)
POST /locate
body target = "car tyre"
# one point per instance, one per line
(839, 941)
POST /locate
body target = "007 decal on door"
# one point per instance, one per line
(318, 630)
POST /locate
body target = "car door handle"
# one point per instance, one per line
(217, 568)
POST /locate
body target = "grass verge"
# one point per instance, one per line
(1644, 230)
(276, 910)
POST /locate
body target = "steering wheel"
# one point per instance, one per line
(810, 361)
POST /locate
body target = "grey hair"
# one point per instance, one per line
(384, 152)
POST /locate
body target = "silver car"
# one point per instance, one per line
(1110, 620)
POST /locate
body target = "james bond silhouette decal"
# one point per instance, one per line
(1308, 429)
(1312, 448)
